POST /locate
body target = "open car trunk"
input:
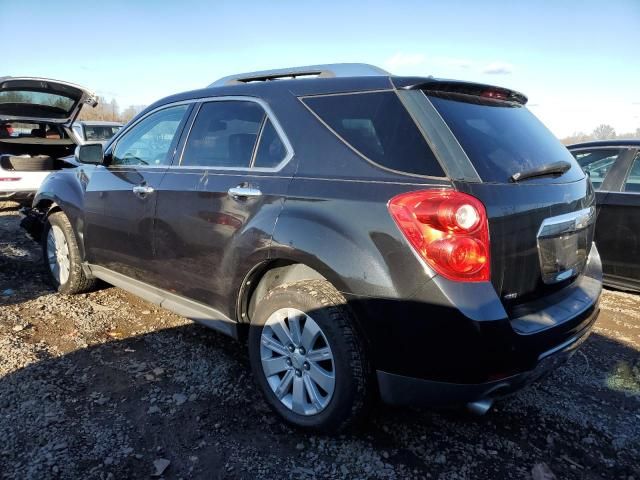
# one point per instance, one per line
(42, 99)
(35, 114)
(35, 154)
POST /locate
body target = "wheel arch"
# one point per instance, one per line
(279, 271)
(266, 276)
(62, 191)
(46, 206)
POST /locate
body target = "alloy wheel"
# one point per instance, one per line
(297, 361)
(58, 254)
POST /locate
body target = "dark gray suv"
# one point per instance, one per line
(425, 241)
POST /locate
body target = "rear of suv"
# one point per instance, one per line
(425, 241)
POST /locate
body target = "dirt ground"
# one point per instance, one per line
(107, 386)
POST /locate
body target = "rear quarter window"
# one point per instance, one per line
(379, 128)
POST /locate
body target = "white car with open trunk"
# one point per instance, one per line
(36, 115)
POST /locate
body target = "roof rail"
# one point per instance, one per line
(316, 71)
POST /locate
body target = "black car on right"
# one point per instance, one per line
(614, 169)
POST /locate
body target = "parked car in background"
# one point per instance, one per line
(95, 130)
(614, 169)
(428, 241)
(35, 119)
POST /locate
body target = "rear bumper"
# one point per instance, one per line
(404, 390)
(20, 184)
(455, 343)
(18, 195)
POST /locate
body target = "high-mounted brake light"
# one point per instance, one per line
(448, 229)
(495, 94)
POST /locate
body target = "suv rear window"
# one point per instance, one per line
(500, 138)
(377, 126)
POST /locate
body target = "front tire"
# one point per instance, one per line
(61, 256)
(307, 357)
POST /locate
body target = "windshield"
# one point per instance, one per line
(100, 133)
(501, 138)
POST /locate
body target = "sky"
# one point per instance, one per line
(577, 61)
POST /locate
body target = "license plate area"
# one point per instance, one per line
(563, 244)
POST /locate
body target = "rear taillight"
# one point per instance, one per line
(10, 179)
(448, 229)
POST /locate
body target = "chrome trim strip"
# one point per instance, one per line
(610, 147)
(177, 157)
(254, 154)
(568, 222)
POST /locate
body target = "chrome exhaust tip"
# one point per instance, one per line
(480, 407)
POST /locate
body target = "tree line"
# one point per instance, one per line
(110, 111)
(601, 132)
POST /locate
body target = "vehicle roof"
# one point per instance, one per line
(311, 86)
(618, 142)
(97, 122)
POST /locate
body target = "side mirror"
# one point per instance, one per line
(90, 153)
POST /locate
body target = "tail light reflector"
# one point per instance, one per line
(448, 229)
(10, 179)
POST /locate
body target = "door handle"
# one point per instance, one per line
(244, 192)
(142, 190)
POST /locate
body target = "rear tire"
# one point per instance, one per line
(61, 256)
(320, 380)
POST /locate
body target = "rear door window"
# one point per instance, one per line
(378, 127)
(597, 163)
(224, 135)
(633, 180)
(501, 138)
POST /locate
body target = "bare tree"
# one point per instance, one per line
(110, 111)
(576, 137)
(603, 132)
(130, 112)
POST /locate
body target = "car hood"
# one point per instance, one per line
(42, 99)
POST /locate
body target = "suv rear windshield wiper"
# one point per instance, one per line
(556, 168)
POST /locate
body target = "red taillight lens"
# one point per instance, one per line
(448, 229)
(10, 179)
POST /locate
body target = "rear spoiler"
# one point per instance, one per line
(435, 85)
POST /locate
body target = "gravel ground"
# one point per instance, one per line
(107, 386)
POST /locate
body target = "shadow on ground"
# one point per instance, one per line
(185, 394)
